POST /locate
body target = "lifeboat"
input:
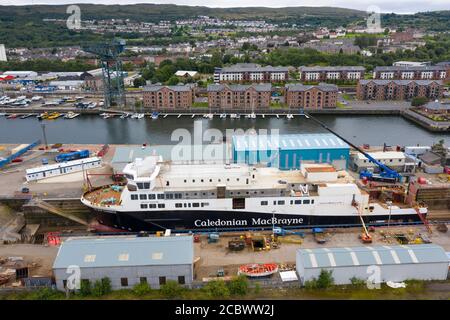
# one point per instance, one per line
(258, 270)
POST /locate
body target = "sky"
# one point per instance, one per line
(397, 6)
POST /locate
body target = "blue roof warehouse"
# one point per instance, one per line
(288, 151)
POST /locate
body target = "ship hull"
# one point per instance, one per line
(228, 221)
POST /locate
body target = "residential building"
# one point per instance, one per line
(411, 64)
(250, 72)
(398, 89)
(311, 97)
(331, 73)
(168, 97)
(412, 73)
(126, 260)
(237, 96)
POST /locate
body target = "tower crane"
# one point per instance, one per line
(112, 74)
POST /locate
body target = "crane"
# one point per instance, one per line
(386, 174)
(114, 89)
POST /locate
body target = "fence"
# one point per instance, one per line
(7, 160)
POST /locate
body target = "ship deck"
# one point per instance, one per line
(105, 196)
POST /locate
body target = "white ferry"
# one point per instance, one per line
(161, 195)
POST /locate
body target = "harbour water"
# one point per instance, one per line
(374, 130)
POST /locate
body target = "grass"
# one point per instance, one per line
(414, 290)
(347, 97)
(200, 105)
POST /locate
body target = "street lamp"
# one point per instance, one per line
(389, 203)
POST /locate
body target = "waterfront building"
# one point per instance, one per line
(238, 96)
(127, 260)
(393, 159)
(311, 97)
(250, 72)
(395, 263)
(399, 89)
(288, 151)
(412, 73)
(168, 97)
(318, 73)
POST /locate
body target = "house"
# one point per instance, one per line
(318, 73)
(250, 72)
(412, 72)
(168, 97)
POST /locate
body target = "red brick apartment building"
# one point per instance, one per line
(238, 96)
(321, 96)
(168, 97)
(399, 89)
(438, 72)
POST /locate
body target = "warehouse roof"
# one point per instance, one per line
(288, 142)
(125, 251)
(378, 255)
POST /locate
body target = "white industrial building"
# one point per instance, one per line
(3, 53)
(69, 85)
(20, 74)
(127, 260)
(59, 169)
(393, 159)
(396, 263)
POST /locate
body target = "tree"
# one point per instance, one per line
(418, 101)
(325, 279)
(217, 289)
(238, 285)
(173, 80)
(171, 289)
(85, 288)
(139, 82)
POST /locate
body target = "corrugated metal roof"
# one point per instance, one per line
(125, 251)
(377, 255)
(288, 142)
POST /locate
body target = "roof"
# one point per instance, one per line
(409, 68)
(332, 68)
(288, 142)
(400, 82)
(376, 255)
(174, 88)
(239, 87)
(380, 155)
(302, 87)
(61, 165)
(125, 251)
(251, 67)
(182, 73)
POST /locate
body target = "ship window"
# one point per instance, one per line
(169, 196)
(144, 206)
(178, 195)
(312, 201)
(185, 181)
(274, 203)
(151, 196)
(292, 202)
(189, 205)
(201, 180)
(146, 185)
(228, 179)
(205, 204)
(193, 180)
(161, 205)
(152, 206)
(212, 193)
(185, 205)
(140, 185)
(160, 196)
(281, 202)
(178, 205)
(134, 197)
(264, 203)
(167, 183)
(306, 201)
(298, 201)
(237, 179)
(196, 204)
(143, 197)
(195, 194)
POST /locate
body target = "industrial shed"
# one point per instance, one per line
(127, 260)
(397, 263)
(288, 151)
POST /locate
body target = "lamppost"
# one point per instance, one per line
(45, 136)
(389, 203)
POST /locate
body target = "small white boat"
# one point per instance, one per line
(223, 116)
(263, 115)
(179, 116)
(248, 116)
(289, 116)
(193, 115)
(2, 114)
(253, 115)
(278, 117)
(238, 116)
(125, 115)
(140, 115)
(233, 116)
(165, 116)
(71, 115)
